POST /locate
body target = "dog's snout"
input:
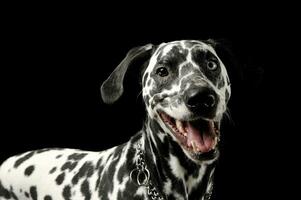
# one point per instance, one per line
(200, 100)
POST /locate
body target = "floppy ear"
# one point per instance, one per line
(112, 88)
(211, 42)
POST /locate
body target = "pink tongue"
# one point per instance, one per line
(204, 142)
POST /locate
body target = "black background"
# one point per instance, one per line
(56, 57)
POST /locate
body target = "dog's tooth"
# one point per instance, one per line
(188, 144)
(215, 142)
(180, 126)
(194, 147)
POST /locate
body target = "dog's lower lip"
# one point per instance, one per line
(206, 155)
(198, 136)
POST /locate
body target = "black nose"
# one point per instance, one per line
(200, 99)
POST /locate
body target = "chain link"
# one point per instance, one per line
(208, 194)
(141, 176)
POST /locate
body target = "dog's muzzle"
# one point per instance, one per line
(198, 134)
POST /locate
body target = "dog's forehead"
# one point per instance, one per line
(182, 45)
(181, 51)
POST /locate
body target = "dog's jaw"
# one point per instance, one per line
(198, 138)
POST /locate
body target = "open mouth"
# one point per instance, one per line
(198, 137)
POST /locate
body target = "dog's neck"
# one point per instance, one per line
(175, 175)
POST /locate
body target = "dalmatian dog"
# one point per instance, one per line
(185, 88)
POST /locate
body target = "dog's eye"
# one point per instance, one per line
(162, 71)
(211, 65)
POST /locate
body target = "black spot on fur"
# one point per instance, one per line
(148, 82)
(123, 168)
(99, 168)
(33, 193)
(198, 55)
(69, 165)
(23, 158)
(4, 192)
(42, 150)
(118, 151)
(200, 189)
(47, 149)
(47, 197)
(26, 194)
(109, 174)
(85, 189)
(58, 156)
(221, 83)
(60, 178)
(28, 171)
(120, 174)
(13, 195)
(86, 170)
(52, 170)
(163, 96)
(202, 58)
(120, 196)
(67, 192)
(76, 156)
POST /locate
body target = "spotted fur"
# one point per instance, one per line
(65, 174)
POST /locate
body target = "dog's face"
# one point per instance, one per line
(186, 89)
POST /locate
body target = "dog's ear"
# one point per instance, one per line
(112, 88)
(211, 42)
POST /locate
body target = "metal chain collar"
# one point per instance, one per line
(141, 176)
(208, 194)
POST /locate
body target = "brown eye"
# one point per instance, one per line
(162, 71)
(211, 65)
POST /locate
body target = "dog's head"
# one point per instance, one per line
(185, 88)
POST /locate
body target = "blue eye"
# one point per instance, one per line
(162, 71)
(212, 65)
